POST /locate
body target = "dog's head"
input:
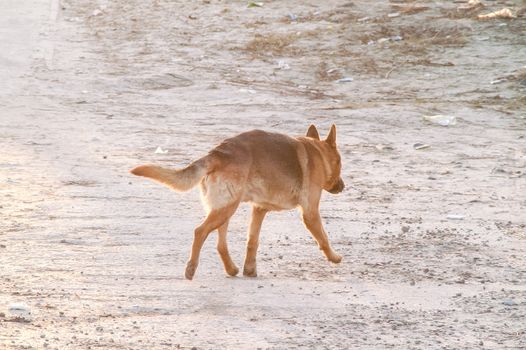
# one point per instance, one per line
(331, 158)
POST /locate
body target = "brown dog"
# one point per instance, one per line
(272, 171)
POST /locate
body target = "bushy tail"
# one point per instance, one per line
(180, 180)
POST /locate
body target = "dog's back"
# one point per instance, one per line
(255, 166)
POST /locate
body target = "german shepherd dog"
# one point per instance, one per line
(271, 171)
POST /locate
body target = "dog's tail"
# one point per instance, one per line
(177, 179)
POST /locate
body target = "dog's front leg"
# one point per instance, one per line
(250, 268)
(312, 220)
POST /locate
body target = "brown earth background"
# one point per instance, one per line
(433, 239)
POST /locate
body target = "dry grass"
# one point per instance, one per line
(364, 63)
(504, 105)
(337, 16)
(409, 9)
(516, 104)
(427, 62)
(256, 24)
(459, 12)
(273, 44)
(452, 36)
(283, 87)
(416, 34)
(367, 65)
(83, 183)
(324, 73)
(519, 75)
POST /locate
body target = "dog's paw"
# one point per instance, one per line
(190, 271)
(335, 258)
(232, 271)
(250, 271)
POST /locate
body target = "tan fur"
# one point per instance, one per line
(272, 171)
(178, 180)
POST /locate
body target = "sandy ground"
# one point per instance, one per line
(433, 239)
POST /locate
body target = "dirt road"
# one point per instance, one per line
(433, 236)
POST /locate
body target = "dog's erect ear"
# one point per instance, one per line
(313, 132)
(331, 138)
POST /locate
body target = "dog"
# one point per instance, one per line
(269, 170)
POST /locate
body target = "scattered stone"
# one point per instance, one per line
(509, 302)
(455, 217)
(345, 80)
(440, 119)
(418, 146)
(505, 13)
(381, 147)
(20, 311)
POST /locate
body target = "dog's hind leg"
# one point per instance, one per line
(215, 219)
(313, 223)
(222, 249)
(258, 214)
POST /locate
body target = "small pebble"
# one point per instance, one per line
(419, 145)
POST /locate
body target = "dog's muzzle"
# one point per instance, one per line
(338, 187)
